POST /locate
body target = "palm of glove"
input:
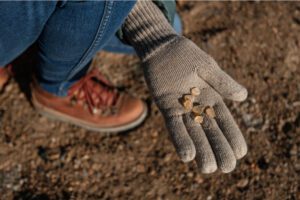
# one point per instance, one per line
(170, 73)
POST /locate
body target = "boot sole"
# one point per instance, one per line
(50, 113)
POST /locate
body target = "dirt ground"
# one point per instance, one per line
(257, 43)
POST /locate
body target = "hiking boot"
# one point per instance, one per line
(5, 74)
(92, 103)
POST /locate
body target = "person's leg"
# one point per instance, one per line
(21, 24)
(63, 88)
(72, 36)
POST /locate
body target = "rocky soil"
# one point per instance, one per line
(257, 43)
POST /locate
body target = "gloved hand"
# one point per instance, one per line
(172, 66)
(170, 73)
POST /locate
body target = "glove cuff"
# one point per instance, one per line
(147, 29)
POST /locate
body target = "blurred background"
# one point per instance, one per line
(257, 43)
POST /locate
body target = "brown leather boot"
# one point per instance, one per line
(5, 74)
(92, 103)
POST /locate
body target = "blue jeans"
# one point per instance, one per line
(68, 35)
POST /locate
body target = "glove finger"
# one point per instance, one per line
(184, 145)
(221, 81)
(205, 157)
(223, 153)
(230, 130)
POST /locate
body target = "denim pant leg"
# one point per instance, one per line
(21, 24)
(72, 36)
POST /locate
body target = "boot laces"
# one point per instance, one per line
(95, 92)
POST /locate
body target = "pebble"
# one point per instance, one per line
(9, 88)
(96, 166)
(198, 119)
(199, 179)
(190, 174)
(154, 134)
(168, 157)
(188, 97)
(293, 151)
(188, 105)
(252, 121)
(210, 112)
(209, 197)
(140, 168)
(242, 183)
(195, 91)
(198, 109)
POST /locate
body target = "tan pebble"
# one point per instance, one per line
(85, 157)
(242, 183)
(168, 158)
(140, 168)
(210, 112)
(188, 105)
(188, 97)
(96, 167)
(195, 91)
(131, 158)
(154, 134)
(198, 109)
(198, 119)
(9, 88)
(199, 179)
(153, 173)
(53, 156)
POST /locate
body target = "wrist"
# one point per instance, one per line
(147, 29)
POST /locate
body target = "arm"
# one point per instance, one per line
(172, 66)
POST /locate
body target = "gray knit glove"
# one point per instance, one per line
(172, 66)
